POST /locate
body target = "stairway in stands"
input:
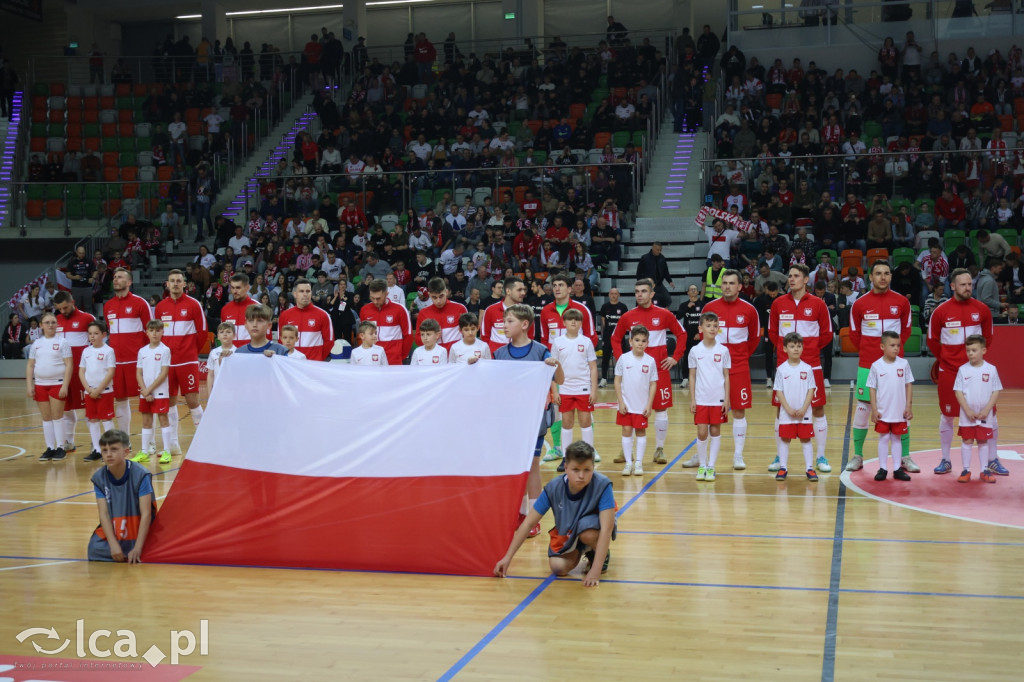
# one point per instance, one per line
(668, 206)
(9, 135)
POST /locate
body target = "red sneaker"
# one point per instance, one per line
(534, 532)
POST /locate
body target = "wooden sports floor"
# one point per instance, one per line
(744, 578)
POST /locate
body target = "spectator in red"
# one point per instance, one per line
(311, 55)
(424, 56)
(526, 247)
(950, 211)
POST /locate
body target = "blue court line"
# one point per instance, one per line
(24, 428)
(504, 623)
(69, 497)
(828, 663)
(830, 538)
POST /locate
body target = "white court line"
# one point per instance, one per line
(19, 416)
(49, 563)
(15, 447)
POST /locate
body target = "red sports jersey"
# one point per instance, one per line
(492, 326)
(739, 329)
(316, 333)
(447, 317)
(394, 330)
(126, 319)
(76, 330)
(235, 314)
(184, 328)
(552, 326)
(873, 314)
(808, 317)
(659, 323)
(950, 325)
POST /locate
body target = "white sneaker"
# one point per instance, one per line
(768, 383)
(684, 383)
(828, 384)
(775, 465)
(638, 468)
(738, 464)
(175, 450)
(691, 463)
(628, 469)
(597, 457)
(603, 383)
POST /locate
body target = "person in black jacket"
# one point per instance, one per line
(653, 265)
(689, 317)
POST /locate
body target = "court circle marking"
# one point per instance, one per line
(14, 447)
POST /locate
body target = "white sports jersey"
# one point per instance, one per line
(890, 379)
(794, 382)
(397, 294)
(296, 355)
(214, 360)
(711, 364)
(637, 376)
(96, 362)
(435, 357)
(151, 361)
(49, 355)
(575, 356)
(373, 356)
(977, 384)
(460, 353)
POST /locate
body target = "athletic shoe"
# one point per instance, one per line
(165, 457)
(552, 454)
(603, 383)
(709, 474)
(46, 456)
(607, 558)
(828, 384)
(69, 446)
(638, 468)
(684, 383)
(776, 465)
(944, 467)
(881, 474)
(702, 473)
(519, 520)
(901, 474)
(597, 457)
(811, 476)
(910, 465)
(694, 461)
(620, 459)
(965, 476)
(659, 456)
(93, 457)
(823, 465)
(59, 454)
(856, 463)
(738, 464)
(628, 469)
(176, 450)
(768, 383)
(988, 477)
(142, 457)
(780, 474)
(534, 532)
(997, 468)
(561, 467)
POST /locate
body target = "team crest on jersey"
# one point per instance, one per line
(984, 377)
(643, 368)
(74, 325)
(655, 321)
(451, 319)
(157, 357)
(56, 346)
(184, 311)
(99, 356)
(899, 372)
(808, 312)
(435, 360)
(893, 309)
(718, 357)
(375, 357)
(311, 323)
(476, 354)
(803, 376)
(975, 317)
(739, 319)
(127, 310)
(580, 348)
(389, 319)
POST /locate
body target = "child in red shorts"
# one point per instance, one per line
(709, 362)
(96, 371)
(977, 388)
(892, 392)
(636, 383)
(576, 395)
(154, 395)
(794, 391)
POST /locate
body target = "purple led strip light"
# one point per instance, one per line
(10, 143)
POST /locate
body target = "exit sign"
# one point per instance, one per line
(510, 15)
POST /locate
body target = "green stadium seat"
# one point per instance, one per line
(953, 238)
(903, 255)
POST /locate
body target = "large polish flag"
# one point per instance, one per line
(319, 465)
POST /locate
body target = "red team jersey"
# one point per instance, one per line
(739, 329)
(316, 333)
(126, 319)
(948, 328)
(873, 314)
(552, 326)
(492, 326)
(394, 330)
(76, 330)
(808, 317)
(184, 328)
(659, 323)
(235, 314)
(447, 317)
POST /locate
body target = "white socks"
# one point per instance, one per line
(123, 415)
(739, 436)
(821, 434)
(627, 448)
(197, 416)
(51, 442)
(172, 416)
(984, 456)
(566, 437)
(716, 445)
(641, 446)
(808, 455)
(702, 452)
(946, 431)
(587, 434)
(148, 444)
(70, 420)
(660, 428)
(95, 433)
(778, 441)
(782, 449)
(58, 432)
(165, 432)
(887, 442)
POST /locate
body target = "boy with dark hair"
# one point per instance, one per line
(584, 509)
(471, 348)
(153, 369)
(124, 497)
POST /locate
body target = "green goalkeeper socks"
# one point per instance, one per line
(859, 436)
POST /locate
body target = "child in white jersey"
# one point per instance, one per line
(226, 336)
(48, 376)
(709, 362)
(977, 388)
(430, 354)
(471, 348)
(290, 337)
(577, 394)
(368, 353)
(154, 364)
(794, 390)
(891, 384)
(96, 372)
(636, 383)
